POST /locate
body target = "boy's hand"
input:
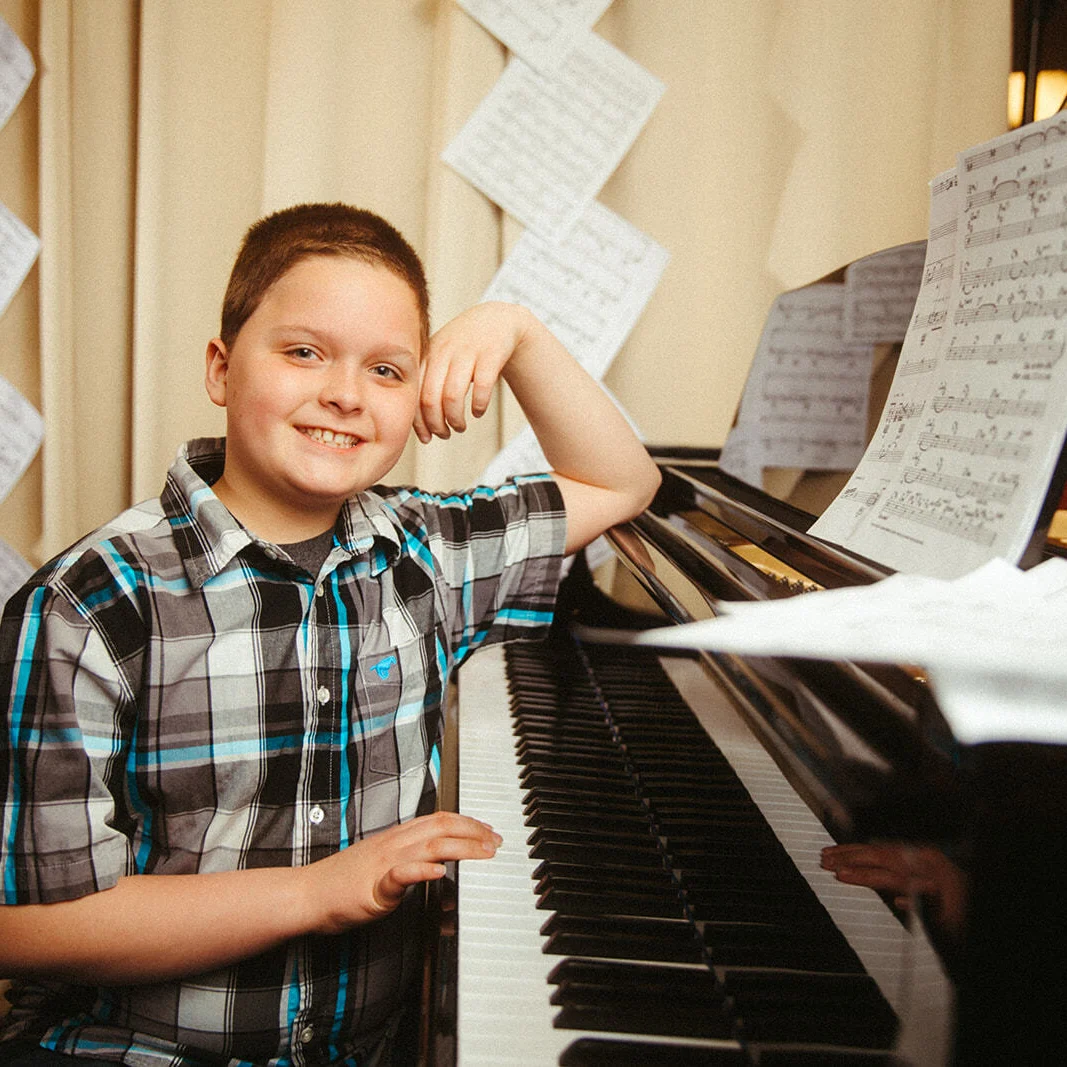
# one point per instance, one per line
(466, 356)
(368, 880)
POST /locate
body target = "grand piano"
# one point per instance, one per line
(659, 897)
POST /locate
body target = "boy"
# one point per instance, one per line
(222, 710)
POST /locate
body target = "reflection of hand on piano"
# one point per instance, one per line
(907, 872)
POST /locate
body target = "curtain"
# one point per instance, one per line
(792, 138)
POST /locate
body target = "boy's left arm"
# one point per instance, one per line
(604, 472)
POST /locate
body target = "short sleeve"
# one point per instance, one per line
(66, 708)
(498, 552)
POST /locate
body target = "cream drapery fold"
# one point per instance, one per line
(792, 138)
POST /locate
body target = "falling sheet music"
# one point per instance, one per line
(16, 71)
(959, 467)
(14, 570)
(18, 250)
(21, 430)
(805, 400)
(539, 31)
(588, 288)
(541, 147)
(992, 640)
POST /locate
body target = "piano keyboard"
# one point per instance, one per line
(641, 972)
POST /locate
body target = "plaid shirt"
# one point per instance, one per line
(180, 697)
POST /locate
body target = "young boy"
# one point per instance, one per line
(222, 710)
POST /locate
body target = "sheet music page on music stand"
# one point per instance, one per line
(958, 470)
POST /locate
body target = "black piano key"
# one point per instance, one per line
(658, 940)
(570, 852)
(817, 947)
(605, 1052)
(612, 902)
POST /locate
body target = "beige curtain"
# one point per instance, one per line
(793, 137)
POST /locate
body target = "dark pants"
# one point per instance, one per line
(21, 1055)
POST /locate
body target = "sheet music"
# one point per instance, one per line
(18, 251)
(992, 640)
(21, 430)
(589, 288)
(14, 570)
(959, 467)
(805, 399)
(880, 293)
(538, 31)
(541, 147)
(16, 71)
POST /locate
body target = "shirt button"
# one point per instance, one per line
(320, 591)
(307, 1034)
(269, 552)
(323, 694)
(316, 815)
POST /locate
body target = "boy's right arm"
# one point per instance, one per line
(156, 927)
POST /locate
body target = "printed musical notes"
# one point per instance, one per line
(539, 31)
(805, 399)
(589, 287)
(21, 430)
(18, 251)
(960, 464)
(16, 71)
(542, 147)
(880, 293)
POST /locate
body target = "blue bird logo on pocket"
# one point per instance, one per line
(383, 667)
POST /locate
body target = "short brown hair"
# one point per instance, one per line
(277, 242)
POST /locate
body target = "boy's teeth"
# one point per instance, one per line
(328, 437)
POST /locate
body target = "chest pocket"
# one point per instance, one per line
(389, 714)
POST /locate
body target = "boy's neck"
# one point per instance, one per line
(276, 523)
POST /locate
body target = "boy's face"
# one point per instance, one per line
(320, 388)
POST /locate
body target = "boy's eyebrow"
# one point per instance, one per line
(394, 351)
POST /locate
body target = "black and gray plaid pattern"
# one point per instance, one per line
(180, 697)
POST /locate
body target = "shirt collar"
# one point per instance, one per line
(208, 537)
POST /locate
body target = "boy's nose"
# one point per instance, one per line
(343, 388)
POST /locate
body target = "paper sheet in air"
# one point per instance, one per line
(18, 250)
(538, 31)
(14, 570)
(589, 288)
(992, 641)
(542, 147)
(21, 430)
(16, 71)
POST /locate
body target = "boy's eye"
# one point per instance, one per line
(383, 370)
(303, 354)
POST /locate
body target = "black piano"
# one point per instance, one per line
(659, 897)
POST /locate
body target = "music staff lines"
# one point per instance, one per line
(1013, 187)
(960, 485)
(1013, 231)
(963, 528)
(1042, 352)
(930, 441)
(1030, 141)
(991, 407)
(1014, 312)
(1040, 267)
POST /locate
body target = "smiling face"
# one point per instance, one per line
(320, 387)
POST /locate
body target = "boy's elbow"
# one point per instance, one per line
(646, 487)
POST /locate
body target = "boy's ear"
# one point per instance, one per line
(216, 366)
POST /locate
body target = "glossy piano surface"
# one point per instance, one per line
(610, 930)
